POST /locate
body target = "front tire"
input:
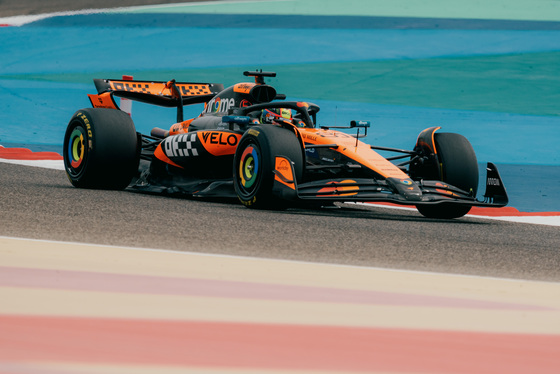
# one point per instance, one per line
(100, 149)
(458, 167)
(254, 162)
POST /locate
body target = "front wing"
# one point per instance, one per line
(423, 192)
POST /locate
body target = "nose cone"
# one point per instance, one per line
(406, 188)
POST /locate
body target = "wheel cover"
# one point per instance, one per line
(249, 168)
(75, 154)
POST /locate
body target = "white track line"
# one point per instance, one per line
(22, 20)
(47, 164)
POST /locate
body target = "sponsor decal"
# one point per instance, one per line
(245, 103)
(218, 137)
(407, 182)
(219, 105)
(194, 89)
(103, 100)
(86, 122)
(248, 202)
(283, 172)
(180, 145)
(283, 165)
(237, 119)
(254, 132)
(88, 128)
(131, 87)
(243, 87)
(493, 182)
(158, 88)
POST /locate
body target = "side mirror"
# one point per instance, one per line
(240, 120)
(362, 124)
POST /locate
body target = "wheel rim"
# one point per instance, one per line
(249, 169)
(76, 150)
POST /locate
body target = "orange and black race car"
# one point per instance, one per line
(250, 143)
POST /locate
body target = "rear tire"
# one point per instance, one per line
(254, 162)
(458, 167)
(100, 149)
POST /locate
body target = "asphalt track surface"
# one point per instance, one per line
(40, 203)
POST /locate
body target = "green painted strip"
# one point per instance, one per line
(534, 10)
(521, 83)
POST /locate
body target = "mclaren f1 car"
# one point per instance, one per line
(251, 143)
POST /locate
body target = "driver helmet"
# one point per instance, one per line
(270, 115)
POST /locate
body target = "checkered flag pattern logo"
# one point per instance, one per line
(194, 89)
(158, 88)
(131, 87)
(181, 145)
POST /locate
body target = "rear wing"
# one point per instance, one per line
(167, 94)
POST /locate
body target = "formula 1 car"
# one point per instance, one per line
(249, 142)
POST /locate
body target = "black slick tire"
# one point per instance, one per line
(254, 162)
(458, 167)
(100, 149)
